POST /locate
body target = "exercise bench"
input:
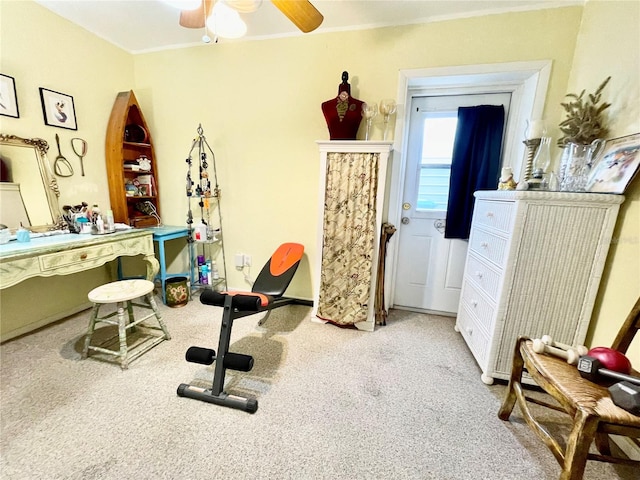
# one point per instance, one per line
(266, 294)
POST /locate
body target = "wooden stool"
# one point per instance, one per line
(122, 293)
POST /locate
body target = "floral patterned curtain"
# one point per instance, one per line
(349, 237)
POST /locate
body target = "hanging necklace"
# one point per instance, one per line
(343, 105)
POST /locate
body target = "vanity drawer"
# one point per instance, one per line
(78, 256)
(498, 215)
(489, 246)
(484, 277)
(478, 306)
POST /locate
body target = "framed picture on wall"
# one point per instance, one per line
(616, 165)
(58, 109)
(8, 97)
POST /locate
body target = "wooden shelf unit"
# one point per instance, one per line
(119, 153)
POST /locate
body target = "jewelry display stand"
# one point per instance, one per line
(206, 248)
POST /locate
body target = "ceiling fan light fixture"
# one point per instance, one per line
(226, 22)
(244, 6)
(184, 4)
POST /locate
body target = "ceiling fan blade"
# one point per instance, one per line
(195, 18)
(304, 15)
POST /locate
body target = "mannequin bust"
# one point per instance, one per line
(343, 113)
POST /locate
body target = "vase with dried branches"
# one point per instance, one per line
(583, 130)
(585, 120)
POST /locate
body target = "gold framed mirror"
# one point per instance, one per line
(28, 190)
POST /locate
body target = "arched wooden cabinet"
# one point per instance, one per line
(131, 165)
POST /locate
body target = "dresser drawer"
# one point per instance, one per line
(474, 336)
(54, 261)
(482, 276)
(489, 246)
(483, 312)
(498, 215)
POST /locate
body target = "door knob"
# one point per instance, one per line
(405, 220)
(406, 206)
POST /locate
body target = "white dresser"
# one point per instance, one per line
(533, 267)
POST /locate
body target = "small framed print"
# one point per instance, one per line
(616, 166)
(58, 109)
(8, 97)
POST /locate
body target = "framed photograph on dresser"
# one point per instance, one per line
(616, 166)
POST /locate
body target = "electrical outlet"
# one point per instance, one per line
(247, 260)
(239, 260)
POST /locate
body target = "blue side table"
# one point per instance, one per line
(161, 235)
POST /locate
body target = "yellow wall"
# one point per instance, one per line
(609, 44)
(48, 51)
(259, 105)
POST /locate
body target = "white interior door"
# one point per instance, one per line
(430, 268)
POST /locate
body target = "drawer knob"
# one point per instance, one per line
(489, 214)
(474, 303)
(469, 330)
(479, 275)
(484, 245)
(83, 256)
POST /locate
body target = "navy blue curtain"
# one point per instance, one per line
(475, 163)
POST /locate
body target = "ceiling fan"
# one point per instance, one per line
(301, 12)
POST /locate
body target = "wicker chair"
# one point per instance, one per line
(594, 414)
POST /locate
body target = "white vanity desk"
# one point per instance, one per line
(71, 253)
(33, 291)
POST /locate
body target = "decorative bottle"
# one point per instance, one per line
(541, 162)
(111, 226)
(214, 271)
(100, 225)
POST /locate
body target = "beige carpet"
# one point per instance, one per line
(403, 402)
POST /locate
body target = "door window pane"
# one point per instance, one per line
(435, 163)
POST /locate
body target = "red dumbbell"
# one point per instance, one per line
(611, 359)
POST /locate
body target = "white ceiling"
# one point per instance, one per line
(146, 25)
